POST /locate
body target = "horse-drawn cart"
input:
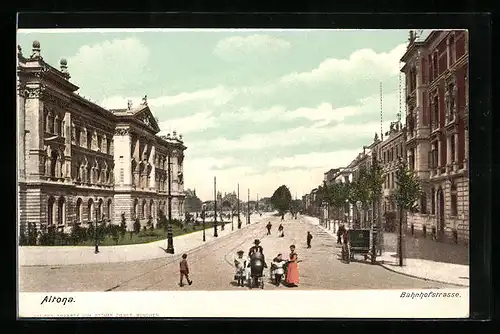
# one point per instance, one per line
(357, 242)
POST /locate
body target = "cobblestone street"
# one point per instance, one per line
(212, 268)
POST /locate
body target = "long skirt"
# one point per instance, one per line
(292, 273)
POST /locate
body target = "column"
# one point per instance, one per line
(152, 161)
(466, 144)
(439, 157)
(457, 148)
(448, 150)
(33, 110)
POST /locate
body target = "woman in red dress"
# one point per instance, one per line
(292, 274)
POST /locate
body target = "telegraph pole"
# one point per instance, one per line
(215, 207)
(170, 241)
(248, 207)
(239, 224)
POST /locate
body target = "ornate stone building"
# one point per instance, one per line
(77, 159)
(437, 129)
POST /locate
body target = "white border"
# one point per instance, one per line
(255, 303)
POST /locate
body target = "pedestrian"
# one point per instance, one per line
(340, 232)
(278, 269)
(268, 226)
(309, 238)
(184, 270)
(292, 274)
(240, 263)
(281, 232)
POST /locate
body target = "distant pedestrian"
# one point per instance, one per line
(281, 232)
(340, 232)
(268, 226)
(309, 238)
(184, 270)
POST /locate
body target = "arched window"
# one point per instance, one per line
(109, 209)
(53, 163)
(151, 208)
(90, 210)
(99, 209)
(61, 211)
(136, 208)
(50, 210)
(143, 209)
(79, 210)
(453, 199)
(58, 126)
(423, 203)
(89, 174)
(433, 201)
(89, 140)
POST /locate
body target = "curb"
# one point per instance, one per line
(419, 277)
(196, 248)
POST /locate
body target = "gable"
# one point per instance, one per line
(146, 116)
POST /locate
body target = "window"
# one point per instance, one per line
(435, 65)
(435, 113)
(89, 139)
(61, 211)
(452, 50)
(109, 209)
(453, 198)
(77, 136)
(50, 210)
(452, 148)
(90, 210)
(108, 146)
(99, 143)
(423, 203)
(143, 209)
(122, 176)
(79, 210)
(433, 201)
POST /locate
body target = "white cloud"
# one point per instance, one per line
(364, 63)
(216, 96)
(192, 123)
(109, 64)
(255, 46)
(324, 160)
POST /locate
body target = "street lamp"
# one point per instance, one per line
(95, 229)
(215, 208)
(348, 212)
(203, 220)
(248, 207)
(232, 219)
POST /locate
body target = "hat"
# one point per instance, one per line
(240, 252)
(256, 241)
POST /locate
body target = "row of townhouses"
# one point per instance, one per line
(78, 161)
(433, 140)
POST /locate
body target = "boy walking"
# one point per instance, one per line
(184, 270)
(309, 238)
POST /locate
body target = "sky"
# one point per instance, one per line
(260, 108)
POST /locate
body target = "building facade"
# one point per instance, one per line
(436, 72)
(78, 162)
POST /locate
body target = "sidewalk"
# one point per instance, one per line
(425, 259)
(70, 255)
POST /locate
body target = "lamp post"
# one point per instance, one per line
(239, 220)
(348, 212)
(215, 208)
(95, 229)
(203, 220)
(232, 219)
(248, 207)
(170, 241)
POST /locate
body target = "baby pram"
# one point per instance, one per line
(256, 271)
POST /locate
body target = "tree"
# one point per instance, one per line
(192, 203)
(406, 195)
(281, 199)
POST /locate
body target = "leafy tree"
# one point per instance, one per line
(406, 195)
(281, 199)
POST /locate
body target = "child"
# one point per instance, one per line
(278, 270)
(240, 264)
(184, 270)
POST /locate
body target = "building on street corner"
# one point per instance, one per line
(436, 72)
(77, 159)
